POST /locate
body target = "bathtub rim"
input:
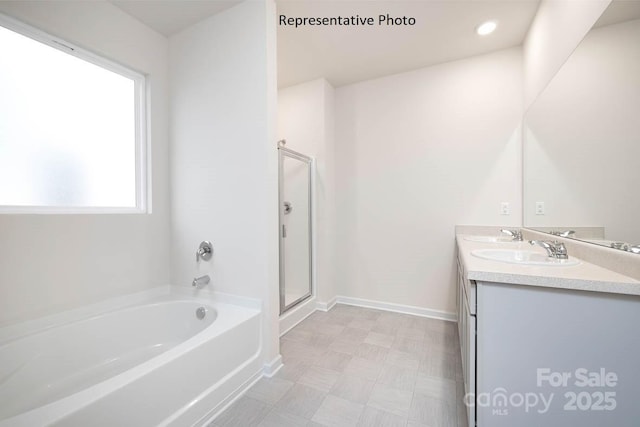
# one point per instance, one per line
(59, 409)
(18, 330)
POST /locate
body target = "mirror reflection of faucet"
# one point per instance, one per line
(565, 233)
(620, 245)
(626, 247)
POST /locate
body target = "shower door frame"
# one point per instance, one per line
(286, 152)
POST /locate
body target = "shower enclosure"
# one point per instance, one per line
(295, 212)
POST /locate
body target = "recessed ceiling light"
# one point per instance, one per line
(486, 28)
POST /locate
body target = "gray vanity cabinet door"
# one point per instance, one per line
(468, 348)
(467, 335)
(536, 348)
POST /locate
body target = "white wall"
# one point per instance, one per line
(556, 30)
(582, 141)
(416, 154)
(50, 263)
(306, 121)
(224, 154)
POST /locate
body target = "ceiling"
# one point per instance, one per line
(619, 11)
(444, 31)
(171, 16)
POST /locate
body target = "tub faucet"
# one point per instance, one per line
(199, 282)
(515, 234)
(554, 249)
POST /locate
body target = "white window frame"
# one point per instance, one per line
(143, 168)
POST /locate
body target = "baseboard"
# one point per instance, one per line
(326, 306)
(296, 315)
(398, 308)
(272, 368)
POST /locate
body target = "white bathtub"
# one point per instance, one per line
(153, 363)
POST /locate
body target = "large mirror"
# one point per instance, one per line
(582, 139)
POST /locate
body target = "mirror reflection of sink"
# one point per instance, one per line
(515, 256)
(490, 239)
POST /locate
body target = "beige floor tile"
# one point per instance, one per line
(345, 347)
(353, 388)
(402, 359)
(297, 350)
(408, 345)
(384, 328)
(390, 399)
(438, 388)
(369, 313)
(354, 366)
(439, 364)
(330, 329)
(352, 335)
(301, 400)
(398, 377)
(269, 390)
(383, 340)
(363, 368)
(244, 412)
(298, 335)
(372, 417)
(277, 418)
(321, 341)
(319, 378)
(293, 369)
(431, 411)
(338, 412)
(372, 352)
(361, 323)
(342, 319)
(412, 333)
(333, 360)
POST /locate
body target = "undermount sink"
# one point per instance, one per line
(490, 239)
(514, 256)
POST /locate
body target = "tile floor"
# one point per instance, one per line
(356, 366)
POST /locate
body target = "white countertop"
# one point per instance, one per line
(584, 276)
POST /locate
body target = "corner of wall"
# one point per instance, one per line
(556, 30)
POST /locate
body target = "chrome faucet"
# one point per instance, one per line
(199, 282)
(565, 233)
(554, 249)
(515, 234)
(626, 247)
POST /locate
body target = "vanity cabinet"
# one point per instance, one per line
(556, 357)
(466, 303)
(549, 346)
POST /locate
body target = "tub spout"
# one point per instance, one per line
(199, 282)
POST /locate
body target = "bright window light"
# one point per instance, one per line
(71, 131)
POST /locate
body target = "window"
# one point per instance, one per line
(72, 128)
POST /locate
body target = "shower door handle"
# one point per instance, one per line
(284, 230)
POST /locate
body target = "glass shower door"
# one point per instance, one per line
(295, 228)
